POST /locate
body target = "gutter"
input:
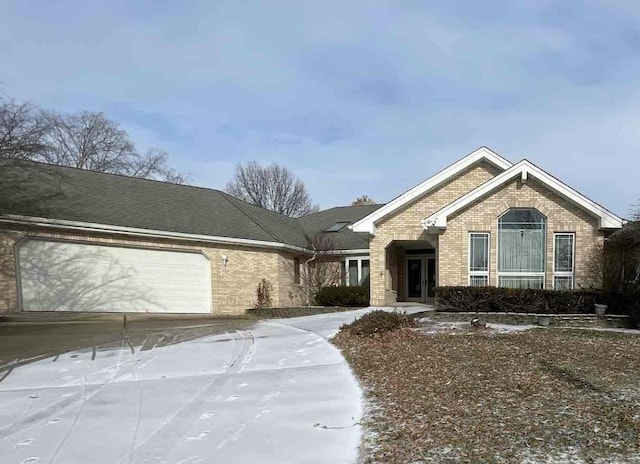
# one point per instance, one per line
(138, 232)
(151, 233)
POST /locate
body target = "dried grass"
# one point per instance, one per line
(536, 396)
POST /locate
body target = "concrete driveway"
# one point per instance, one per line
(190, 392)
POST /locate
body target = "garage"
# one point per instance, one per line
(88, 277)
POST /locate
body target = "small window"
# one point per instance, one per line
(563, 260)
(478, 281)
(352, 272)
(296, 270)
(562, 282)
(478, 259)
(357, 272)
(364, 273)
(337, 227)
(518, 281)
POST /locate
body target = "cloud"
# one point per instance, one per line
(367, 97)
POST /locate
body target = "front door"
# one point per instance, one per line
(421, 278)
(416, 279)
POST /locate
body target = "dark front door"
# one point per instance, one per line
(415, 278)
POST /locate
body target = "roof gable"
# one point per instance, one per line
(524, 169)
(368, 223)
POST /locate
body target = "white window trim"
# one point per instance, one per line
(359, 259)
(573, 259)
(478, 273)
(520, 274)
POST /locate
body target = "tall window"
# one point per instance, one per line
(521, 249)
(357, 272)
(563, 261)
(478, 259)
(296, 270)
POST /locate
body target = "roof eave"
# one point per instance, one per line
(139, 232)
(367, 224)
(524, 169)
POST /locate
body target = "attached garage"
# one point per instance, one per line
(66, 276)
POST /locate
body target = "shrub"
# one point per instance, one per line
(263, 294)
(618, 302)
(515, 300)
(379, 321)
(343, 296)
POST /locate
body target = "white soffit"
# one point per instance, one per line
(367, 224)
(524, 169)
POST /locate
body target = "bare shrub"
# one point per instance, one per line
(263, 294)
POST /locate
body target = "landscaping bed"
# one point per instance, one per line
(557, 320)
(465, 395)
(281, 313)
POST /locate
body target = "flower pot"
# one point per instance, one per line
(600, 309)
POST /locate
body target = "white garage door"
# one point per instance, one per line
(62, 276)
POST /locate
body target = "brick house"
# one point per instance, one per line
(483, 221)
(74, 240)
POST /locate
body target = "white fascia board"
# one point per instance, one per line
(367, 224)
(360, 252)
(120, 230)
(524, 169)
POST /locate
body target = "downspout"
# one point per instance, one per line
(306, 265)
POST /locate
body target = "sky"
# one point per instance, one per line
(355, 97)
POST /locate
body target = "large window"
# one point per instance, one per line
(478, 259)
(357, 271)
(563, 261)
(521, 249)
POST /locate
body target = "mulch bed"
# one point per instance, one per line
(544, 395)
(279, 313)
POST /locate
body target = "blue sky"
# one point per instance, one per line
(355, 97)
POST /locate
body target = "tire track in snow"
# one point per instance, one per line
(139, 409)
(158, 446)
(67, 402)
(76, 418)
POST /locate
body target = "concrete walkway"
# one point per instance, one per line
(266, 392)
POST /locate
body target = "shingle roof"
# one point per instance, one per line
(41, 190)
(86, 196)
(345, 239)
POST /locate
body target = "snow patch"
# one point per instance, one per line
(432, 326)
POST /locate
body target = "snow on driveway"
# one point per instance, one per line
(273, 392)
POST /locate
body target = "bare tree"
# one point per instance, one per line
(615, 264)
(22, 137)
(154, 165)
(363, 200)
(84, 140)
(272, 187)
(635, 211)
(322, 269)
(89, 140)
(22, 130)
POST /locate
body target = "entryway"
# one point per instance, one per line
(420, 277)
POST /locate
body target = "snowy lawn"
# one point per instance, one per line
(447, 393)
